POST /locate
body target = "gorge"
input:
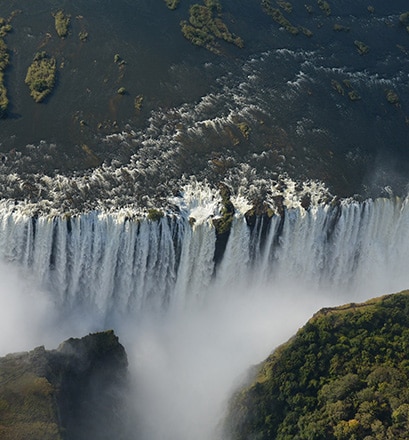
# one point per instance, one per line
(202, 176)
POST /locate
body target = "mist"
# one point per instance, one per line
(27, 315)
(185, 364)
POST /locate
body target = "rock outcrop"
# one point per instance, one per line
(73, 392)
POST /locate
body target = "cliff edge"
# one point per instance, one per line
(73, 392)
(344, 375)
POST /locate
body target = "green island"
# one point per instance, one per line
(404, 20)
(5, 28)
(138, 102)
(392, 97)
(41, 76)
(279, 18)
(324, 6)
(62, 23)
(172, 4)
(361, 47)
(343, 376)
(205, 27)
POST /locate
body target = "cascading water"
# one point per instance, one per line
(115, 263)
(191, 327)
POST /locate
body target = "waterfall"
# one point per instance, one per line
(115, 264)
(191, 327)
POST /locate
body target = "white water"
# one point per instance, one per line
(192, 329)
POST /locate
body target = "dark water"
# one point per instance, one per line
(280, 85)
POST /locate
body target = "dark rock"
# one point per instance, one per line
(74, 392)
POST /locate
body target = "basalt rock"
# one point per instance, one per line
(73, 392)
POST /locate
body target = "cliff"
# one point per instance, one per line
(73, 392)
(344, 375)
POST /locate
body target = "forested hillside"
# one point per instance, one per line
(343, 376)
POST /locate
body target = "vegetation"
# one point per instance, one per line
(5, 27)
(172, 4)
(324, 6)
(287, 6)
(344, 376)
(353, 95)
(4, 102)
(27, 403)
(279, 18)
(223, 224)
(205, 27)
(361, 47)
(62, 23)
(83, 36)
(339, 27)
(50, 395)
(391, 96)
(154, 215)
(244, 129)
(337, 86)
(41, 76)
(404, 20)
(138, 102)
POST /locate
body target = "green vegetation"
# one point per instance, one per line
(172, 4)
(83, 36)
(343, 376)
(138, 102)
(62, 23)
(324, 6)
(41, 75)
(287, 6)
(339, 28)
(279, 18)
(392, 97)
(244, 129)
(337, 86)
(404, 20)
(154, 215)
(4, 101)
(309, 9)
(205, 27)
(5, 28)
(353, 95)
(223, 224)
(27, 404)
(362, 48)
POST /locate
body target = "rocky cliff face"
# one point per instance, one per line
(73, 392)
(344, 375)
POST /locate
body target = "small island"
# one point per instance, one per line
(41, 76)
(62, 23)
(205, 27)
(5, 28)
